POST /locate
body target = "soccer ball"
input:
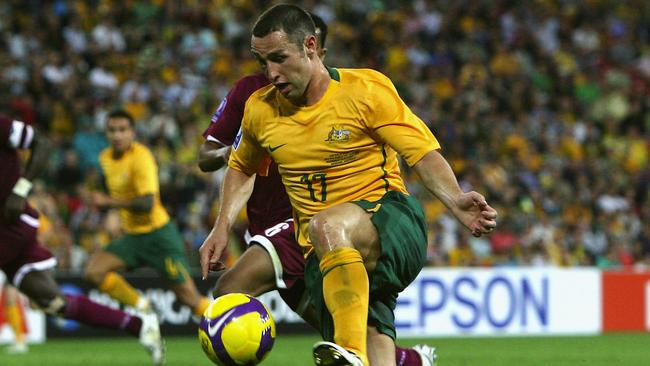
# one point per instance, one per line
(236, 329)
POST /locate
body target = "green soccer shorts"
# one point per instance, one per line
(161, 249)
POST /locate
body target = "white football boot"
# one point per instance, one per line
(151, 339)
(331, 354)
(427, 354)
(144, 305)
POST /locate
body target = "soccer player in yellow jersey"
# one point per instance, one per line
(335, 136)
(131, 176)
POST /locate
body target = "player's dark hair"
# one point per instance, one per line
(321, 29)
(121, 113)
(291, 19)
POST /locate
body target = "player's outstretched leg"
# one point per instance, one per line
(42, 289)
(100, 271)
(15, 315)
(145, 326)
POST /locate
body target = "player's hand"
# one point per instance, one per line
(14, 206)
(210, 252)
(473, 211)
(100, 199)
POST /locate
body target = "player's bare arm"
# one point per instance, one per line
(141, 204)
(235, 191)
(470, 208)
(15, 202)
(213, 156)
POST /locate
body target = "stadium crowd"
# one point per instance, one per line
(542, 106)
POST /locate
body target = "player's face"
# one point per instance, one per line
(287, 65)
(120, 133)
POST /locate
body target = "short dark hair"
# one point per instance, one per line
(292, 19)
(320, 25)
(121, 113)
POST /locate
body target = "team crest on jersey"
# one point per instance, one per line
(338, 134)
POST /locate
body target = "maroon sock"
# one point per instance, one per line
(86, 311)
(407, 357)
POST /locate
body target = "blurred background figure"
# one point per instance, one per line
(13, 313)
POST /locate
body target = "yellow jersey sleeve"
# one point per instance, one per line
(247, 155)
(395, 123)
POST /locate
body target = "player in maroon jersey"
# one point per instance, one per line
(27, 263)
(273, 259)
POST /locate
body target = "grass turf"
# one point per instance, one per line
(605, 350)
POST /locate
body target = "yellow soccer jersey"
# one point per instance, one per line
(134, 174)
(343, 148)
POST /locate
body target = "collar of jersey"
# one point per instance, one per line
(303, 113)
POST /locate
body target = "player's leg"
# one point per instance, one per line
(163, 250)
(43, 290)
(252, 274)
(381, 347)
(27, 264)
(273, 261)
(399, 223)
(188, 294)
(288, 261)
(346, 242)
(402, 229)
(101, 272)
(15, 314)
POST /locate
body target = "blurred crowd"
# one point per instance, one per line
(543, 106)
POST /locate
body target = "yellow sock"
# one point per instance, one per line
(201, 306)
(346, 293)
(15, 319)
(117, 287)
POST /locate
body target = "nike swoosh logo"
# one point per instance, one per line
(272, 149)
(212, 330)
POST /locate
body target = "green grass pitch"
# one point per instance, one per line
(606, 350)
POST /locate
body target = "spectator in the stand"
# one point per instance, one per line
(69, 175)
(87, 143)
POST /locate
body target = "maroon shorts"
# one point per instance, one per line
(288, 261)
(20, 251)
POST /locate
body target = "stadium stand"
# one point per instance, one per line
(543, 107)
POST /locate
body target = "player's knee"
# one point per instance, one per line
(94, 275)
(219, 289)
(327, 231)
(229, 283)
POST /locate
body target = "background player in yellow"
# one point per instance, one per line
(150, 239)
(335, 136)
